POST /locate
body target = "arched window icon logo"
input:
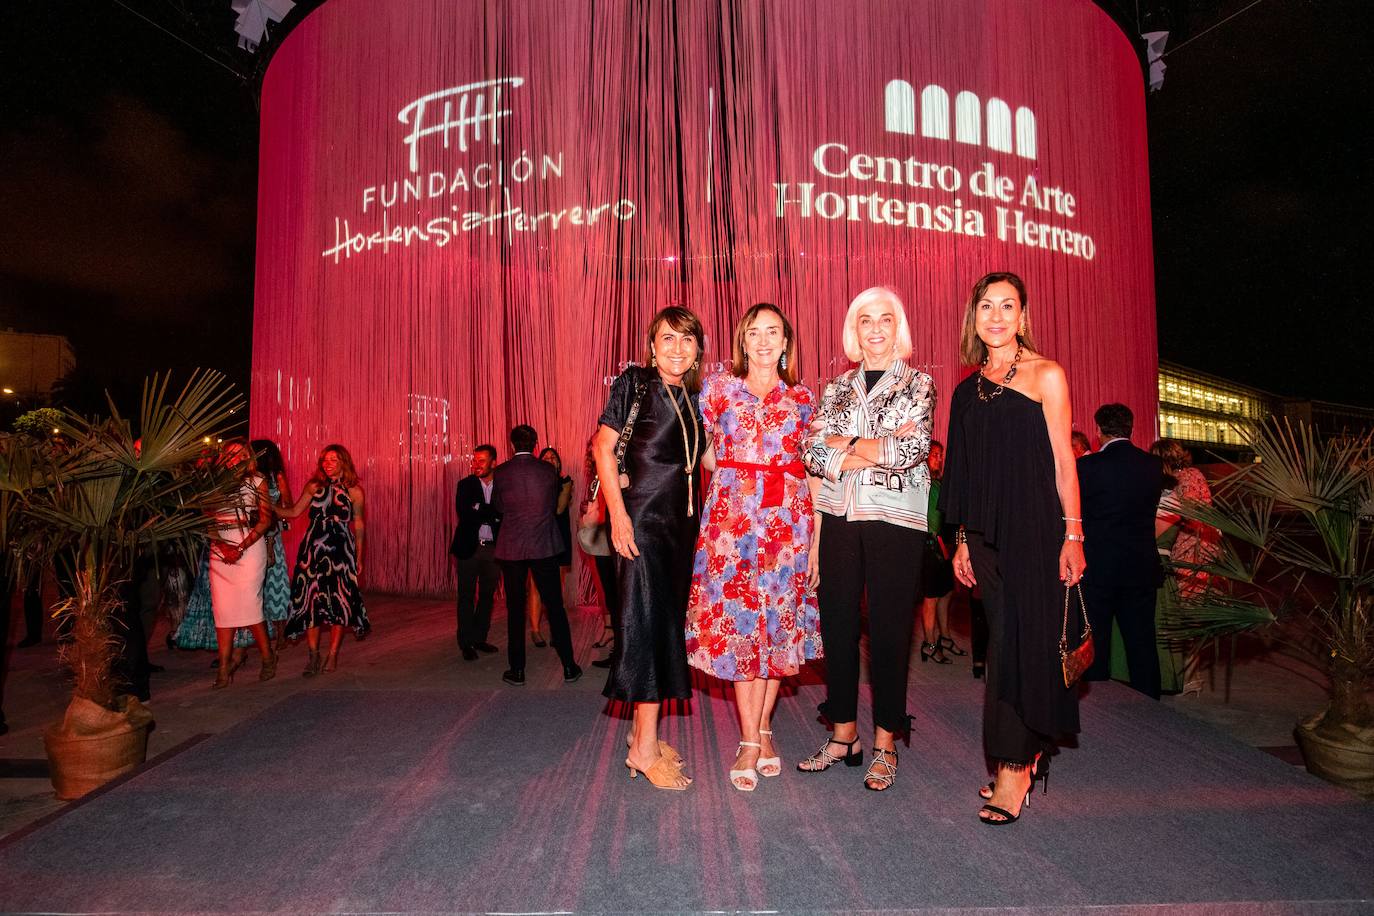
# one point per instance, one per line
(992, 124)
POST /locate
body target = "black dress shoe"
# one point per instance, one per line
(514, 678)
(27, 641)
(155, 669)
(486, 647)
(469, 654)
(602, 662)
(571, 673)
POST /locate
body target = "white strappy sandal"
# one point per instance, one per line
(769, 766)
(749, 773)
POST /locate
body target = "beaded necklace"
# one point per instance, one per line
(693, 452)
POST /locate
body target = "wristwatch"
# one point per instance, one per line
(849, 449)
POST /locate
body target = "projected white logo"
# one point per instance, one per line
(455, 120)
(930, 194)
(900, 103)
(478, 111)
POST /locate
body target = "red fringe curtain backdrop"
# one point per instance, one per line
(468, 211)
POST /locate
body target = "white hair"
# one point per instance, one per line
(902, 347)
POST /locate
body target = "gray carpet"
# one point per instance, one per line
(517, 801)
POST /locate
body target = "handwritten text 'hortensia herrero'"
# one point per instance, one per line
(460, 116)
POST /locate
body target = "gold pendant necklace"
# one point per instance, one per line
(693, 451)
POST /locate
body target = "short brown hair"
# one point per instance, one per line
(1175, 456)
(971, 347)
(739, 363)
(684, 321)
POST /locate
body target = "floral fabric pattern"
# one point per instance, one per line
(750, 613)
(1196, 542)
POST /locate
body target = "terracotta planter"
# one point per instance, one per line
(93, 745)
(1341, 754)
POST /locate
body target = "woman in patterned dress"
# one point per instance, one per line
(325, 588)
(752, 617)
(276, 588)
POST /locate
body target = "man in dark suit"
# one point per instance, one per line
(474, 547)
(1119, 486)
(526, 495)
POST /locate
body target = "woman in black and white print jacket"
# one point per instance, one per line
(868, 443)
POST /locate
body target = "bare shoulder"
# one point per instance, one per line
(1045, 378)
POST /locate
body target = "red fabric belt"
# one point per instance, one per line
(772, 477)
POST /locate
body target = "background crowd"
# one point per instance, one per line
(823, 516)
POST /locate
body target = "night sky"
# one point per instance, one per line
(128, 191)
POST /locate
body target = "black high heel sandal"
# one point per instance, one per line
(949, 645)
(823, 760)
(930, 650)
(1004, 816)
(607, 637)
(1040, 769)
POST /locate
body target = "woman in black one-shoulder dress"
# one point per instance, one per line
(653, 529)
(1011, 486)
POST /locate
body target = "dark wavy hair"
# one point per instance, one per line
(269, 457)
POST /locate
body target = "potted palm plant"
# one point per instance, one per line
(1296, 566)
(100, 495)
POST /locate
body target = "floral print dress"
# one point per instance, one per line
(750, 613)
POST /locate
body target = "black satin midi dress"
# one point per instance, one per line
(652, 662)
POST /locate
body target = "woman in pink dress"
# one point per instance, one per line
(752, 617)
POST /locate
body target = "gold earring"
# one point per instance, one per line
(696, 365)
(653, 359)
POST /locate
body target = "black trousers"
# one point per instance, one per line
(1005, 734)
(884, 561)
(1134, 611)
(477, 575)
(610, 594)
(545, 575)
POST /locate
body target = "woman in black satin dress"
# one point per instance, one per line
(653, 529)
(1011, 485)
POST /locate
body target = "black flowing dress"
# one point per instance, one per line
(651, 665)
(999, 484)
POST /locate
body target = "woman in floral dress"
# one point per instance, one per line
(752, 617)
(324, 590)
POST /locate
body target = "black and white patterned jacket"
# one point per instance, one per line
(898, 489)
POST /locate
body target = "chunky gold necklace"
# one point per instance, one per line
(1011, 374)
(693, 452)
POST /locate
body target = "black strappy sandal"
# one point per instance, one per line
(950, 646)
(823, 760)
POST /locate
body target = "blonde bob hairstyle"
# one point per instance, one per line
(971, 347)
(902, 347)
(739, 360)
